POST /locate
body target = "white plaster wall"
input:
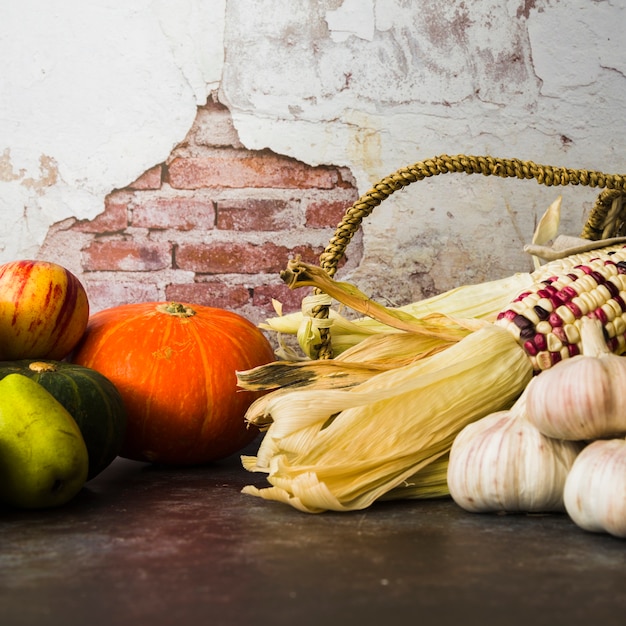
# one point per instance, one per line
(95, 93)
(379, 84)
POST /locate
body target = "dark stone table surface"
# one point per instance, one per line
(166, 546)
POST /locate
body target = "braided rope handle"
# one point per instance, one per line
(595, 228)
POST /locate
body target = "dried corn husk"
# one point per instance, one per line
(342, 449)
(373, 355)
(479, 302)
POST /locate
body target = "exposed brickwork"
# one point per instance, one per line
(127, 256)
(214, 224)
(276, 290)
(324, 214)
(109, 290)
(249, 214)
(214, 293)
(237, 170)
(113, 219)
(177, 213)
(151, 179)
(226, 257)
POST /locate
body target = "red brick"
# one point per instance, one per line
(253, 170)
(151, 179)
(291, 299)
(216, 294)
(179, 213)
(325, 214)
(254, 215)
(113, 219)
(127, 256)
(238, 258)
(104, 294)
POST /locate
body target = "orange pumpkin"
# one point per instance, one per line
(175, 367)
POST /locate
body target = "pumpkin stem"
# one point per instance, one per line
(40, 366)
(176, 308)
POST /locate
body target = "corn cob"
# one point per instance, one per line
(342, 449)
(482, 301)
(545, 318)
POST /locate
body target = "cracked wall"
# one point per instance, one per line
(365, 86)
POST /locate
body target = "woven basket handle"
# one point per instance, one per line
(595, 228)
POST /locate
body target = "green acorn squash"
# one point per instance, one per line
(90, 398)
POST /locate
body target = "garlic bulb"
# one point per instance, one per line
(595, 489)
(583, 397)
(503, 463)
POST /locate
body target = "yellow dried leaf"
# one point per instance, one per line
(344, 449)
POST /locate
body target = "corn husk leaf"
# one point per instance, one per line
(376, 354)
(430, 483)
(547, 228)
(300, 274)
(468, 302)
(342, 449)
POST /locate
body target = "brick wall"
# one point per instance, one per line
(214, 224)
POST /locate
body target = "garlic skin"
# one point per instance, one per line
(595, 489)
(582, 398)
(502, 463)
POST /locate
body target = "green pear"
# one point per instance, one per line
(43, 456)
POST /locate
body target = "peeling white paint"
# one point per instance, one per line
(100, 92)
(352, 18)
(574, 45)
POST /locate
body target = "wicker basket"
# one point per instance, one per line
(607, 219)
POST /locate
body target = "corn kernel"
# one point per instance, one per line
(545, 304)
(531, 315)
(586, 284)
(612, 309)
(603, 292)
(582, 302)
(565, 314)
(554, 344)
(543, 361)
(522, 308)
(563, 281)
(531, 299)
(544, 328)
(588, 300)
(571, 332)
(619, 280)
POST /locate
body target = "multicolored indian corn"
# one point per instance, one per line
(545, 318)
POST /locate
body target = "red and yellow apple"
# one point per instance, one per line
(44, 310)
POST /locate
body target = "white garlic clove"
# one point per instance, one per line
(595, 489)
(502, 463)
(581, 398)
